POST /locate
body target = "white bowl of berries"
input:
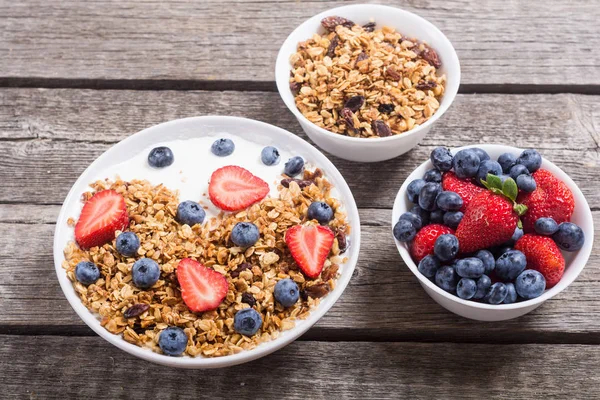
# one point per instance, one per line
(498, 249)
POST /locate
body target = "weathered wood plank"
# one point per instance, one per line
(315, 370)
(70, 128)
(383, 300)
(520, 42)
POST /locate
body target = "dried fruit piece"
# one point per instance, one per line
(347, 115)
(369, 27)
(332, 46)
(431, 57)
(295, 87)
(354, 103)
(426, 85)
(135, 310)
(301, 182)
(316, 291)
(330, 272)
(249, 299)
(242, 267)
(386, 108)
(392, 73)
(362, 56)
(381, 129)
(330, 23)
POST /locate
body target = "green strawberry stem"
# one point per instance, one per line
(507, 189)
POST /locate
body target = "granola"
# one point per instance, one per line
(140, 315)
(365, 82)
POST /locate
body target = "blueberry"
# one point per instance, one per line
(294, 166)
(510, 264)
(160, 157)
(517, 170)
(546, 226)
(569, 237)
(518, 234)
(190, 213)
(496, 293)
(437, 217)
(222, 147)
(483, 284)
(466, 288)
(87, 272)
(466, 163)
(511, 293)
(441, 158)
(413, 219)
(270, 156)
(489, 263)
(320, 211)
(413, 190)
(530, 284)
(127, 244)
(429, 265)
(498, 251)
(244, 234)
(526, 183)
(446, 247)
(433, 175)
(531, 159)
(424, 214)
(404, 230)
(449, 201)
(453, 218)
(172, 341)
(428, 194)
(145, 273)
(506, 161)
(470, 267)
(481, 153)
(247, 321)
(286, 292)
(488, 167)
(446, 278)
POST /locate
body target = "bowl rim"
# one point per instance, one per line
(261, 350)
(548, 294)
(282, 80)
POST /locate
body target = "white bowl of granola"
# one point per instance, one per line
(117, 307)
(367, 93)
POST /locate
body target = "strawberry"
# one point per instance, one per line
(463, 187)
(552, 198)
(102, 215)
(234, 188)
(310, 246)
(202, 288)
(492, 216)
(422, 244)
(543, 255)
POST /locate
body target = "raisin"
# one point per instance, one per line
(330, 23)
(362, 56)
(135, 310)
(342, 241)
(354, 103)
(431, 57)
(347, 115)
(301, 182)
(386, 108)
(332, 46)
(392, 73)
(316, 291)
(426, 85)
(295, 87)
(240, 268)
(381, 129)
(249, 299)
(369, 27)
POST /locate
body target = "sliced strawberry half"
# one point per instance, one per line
(102, 215)
(202, 288)
(310, 246)
(234, 188)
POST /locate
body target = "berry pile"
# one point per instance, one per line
(489, 231)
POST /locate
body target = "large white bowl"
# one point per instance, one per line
(575, 262)
(409, 24)
(255, 131)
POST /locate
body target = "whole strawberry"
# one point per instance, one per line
(422, 244)
(492, 216)
(543, 255)
(463, 187)
(552, 198)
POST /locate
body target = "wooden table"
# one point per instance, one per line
(78, 76)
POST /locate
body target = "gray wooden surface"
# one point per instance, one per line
(77, 77)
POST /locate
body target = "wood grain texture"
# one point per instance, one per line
(49, 136)
(52, 368)
(521, 42)
(383, 301)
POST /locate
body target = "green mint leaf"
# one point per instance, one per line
(510, 189)
(494, 181)
(520, 224)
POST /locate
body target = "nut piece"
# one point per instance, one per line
(330, 23)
